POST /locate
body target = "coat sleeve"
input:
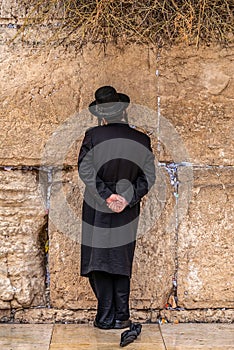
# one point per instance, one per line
(94, 184)
(144, 181)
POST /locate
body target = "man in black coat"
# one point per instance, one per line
(116, 164)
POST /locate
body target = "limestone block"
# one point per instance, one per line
(6, 290)
(199, 315)
(21, 252)
(130, 69)
(67, 288)
(191, 96)
(196, 89)
(156, 253)
(206, 272)
(38, 94)
(153, 269)
(40, 91)
(52, 315)
(154, 259)
(205, 129)
(16, 10)
(5, 315)
(13, 9)
(4, 305)
(215, 80)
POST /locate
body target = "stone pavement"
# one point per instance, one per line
(81, 337)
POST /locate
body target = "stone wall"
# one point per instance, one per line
(183, 97)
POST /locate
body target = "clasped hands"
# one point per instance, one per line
(116, 203)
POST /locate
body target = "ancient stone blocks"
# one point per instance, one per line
(22, 223)
(206, 273)
(185, 97)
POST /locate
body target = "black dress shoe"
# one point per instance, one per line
(122, 324)
(102, 326)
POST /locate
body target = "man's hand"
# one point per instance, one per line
(116, 203)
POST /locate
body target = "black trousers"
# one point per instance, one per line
(112, 293)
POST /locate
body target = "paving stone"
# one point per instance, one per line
(69, 337)
(198, 336)
(75, 337)
(25, 337)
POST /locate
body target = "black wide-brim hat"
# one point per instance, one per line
(108, 103)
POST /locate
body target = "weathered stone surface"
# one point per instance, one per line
(40, 90)
(65, 337)
(154, 260)
(215, 81)
(87, 316)
(33, 107)
(196, 88)
(83, 315)
(54, 315)
(199, 315)
(67, 288)
(13, 9)
(5, 315)
(198, 336)
(185, 97)
(154, 263)
(131, 69)
(25, 337)
(21, 253)
(206, 271)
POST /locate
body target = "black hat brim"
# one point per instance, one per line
(110, 110)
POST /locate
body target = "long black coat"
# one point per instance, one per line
(114, 158)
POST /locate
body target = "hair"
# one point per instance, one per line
(116, 119)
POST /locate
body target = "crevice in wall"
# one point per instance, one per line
(36, 168)
(172, 170)
(19, 167)
(44, 246)
(46, 181)
(158, 102)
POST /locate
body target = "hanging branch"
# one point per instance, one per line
(141, 21)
